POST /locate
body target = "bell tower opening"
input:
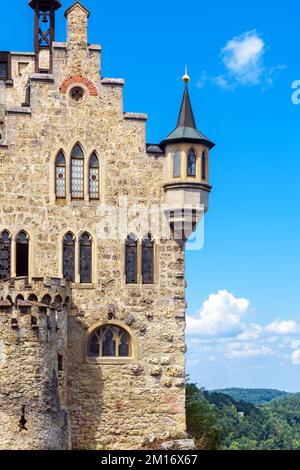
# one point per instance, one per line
(44, 33)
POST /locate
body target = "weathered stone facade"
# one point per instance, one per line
(71, 401)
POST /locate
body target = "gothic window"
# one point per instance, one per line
(147, 259)
(131, 259)
(109, 341)
(69, 257)
(77, 172)
(177, 164)
(204, 165)
(22, 254)
(85, 243)
(94, 176)
(5, 66)
(5, 255)
(60, 176)
(191, 163)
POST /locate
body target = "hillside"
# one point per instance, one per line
(218, 421)
(256, 396)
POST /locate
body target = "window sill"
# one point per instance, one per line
(76, 285)
(114, 361)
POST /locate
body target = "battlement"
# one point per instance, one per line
(41, 292)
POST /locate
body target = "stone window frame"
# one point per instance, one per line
(67, 151)
(140, 282)
(10, 249)
(204, 166)
(14, 233)
(77, 237)
(191, 150)
(61, 165)
(111, 360)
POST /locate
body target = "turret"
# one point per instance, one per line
(186, 185)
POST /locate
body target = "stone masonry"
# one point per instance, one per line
(46, 378)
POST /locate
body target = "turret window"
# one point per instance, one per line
(5, 255)
(191, 163)
(60, 176)
(77, 173)
(85, 247)
(94, 177)
(108, 342)
(22, 254)
(147, 259)
(131, 259)
(177, 164)
(204, 165)
(69, 257)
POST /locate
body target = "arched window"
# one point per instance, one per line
(131, 259)
(85, 244)
(77, 173)
(109, 341)
(5, 255)
(60, 176)
(147, 259)
(191, 163)
(177, 164)
(204, 165)
(94, 177)
(69, 257)
(22, 254)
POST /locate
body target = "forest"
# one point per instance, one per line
(217, 421)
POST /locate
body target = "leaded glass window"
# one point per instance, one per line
(109, 341)
(94, 177)
(77, 173)
(204, 165)
(131, 259)
(147, 259)
(69, 257)
(5, 255)
(177, 164)
(60, 176)
(22, 254)
(85, 243)
(191, 163)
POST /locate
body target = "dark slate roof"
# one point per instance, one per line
(186, 129)
(154, 148)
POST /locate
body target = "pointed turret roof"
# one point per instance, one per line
(186, 129)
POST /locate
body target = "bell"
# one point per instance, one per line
(45, 19)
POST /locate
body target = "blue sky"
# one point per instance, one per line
(242, 58)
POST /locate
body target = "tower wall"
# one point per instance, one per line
(32, 335)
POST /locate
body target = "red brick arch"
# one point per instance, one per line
(78, 79)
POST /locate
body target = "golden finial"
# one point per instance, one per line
(186, 78)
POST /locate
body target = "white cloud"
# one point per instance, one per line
(243, 57)
(220, 315)
(295, 344)
(249, 352)
(282, 327)
(296, 357)
(243, 64)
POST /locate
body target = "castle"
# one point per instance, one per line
(92, 316)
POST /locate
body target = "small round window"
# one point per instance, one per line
(109, 341)
(77, 94)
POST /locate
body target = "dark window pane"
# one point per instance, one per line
(5, 255)
(177, 164)
(3, 70)
(123, 346)
(131, 260)
(68, 257)
(22, 254)
(204, 165)
(191, 169)
(85, 259)
(93, 346)
(147, 260)
(108, 344)
(77, 152)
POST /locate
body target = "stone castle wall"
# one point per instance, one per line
(114, 405)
